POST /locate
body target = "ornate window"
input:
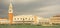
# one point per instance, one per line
(32, 18)
(26, 18)
(14, 18)
(17, 18)
(20, 18)
(29, 18)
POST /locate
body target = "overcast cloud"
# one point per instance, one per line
(43, 8)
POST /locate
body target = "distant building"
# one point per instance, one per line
(25, 19)
(43, 21)
(4, 21)
(55, 19)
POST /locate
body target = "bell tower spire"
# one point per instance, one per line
(10, 12)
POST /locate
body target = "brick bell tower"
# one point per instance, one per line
(10, 12)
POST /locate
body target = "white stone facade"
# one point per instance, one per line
(24, 19)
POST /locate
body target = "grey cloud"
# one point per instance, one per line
(44, 6)
(32, 8)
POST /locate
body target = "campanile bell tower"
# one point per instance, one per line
(10, 12)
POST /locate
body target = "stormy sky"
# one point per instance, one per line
(42, 8)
